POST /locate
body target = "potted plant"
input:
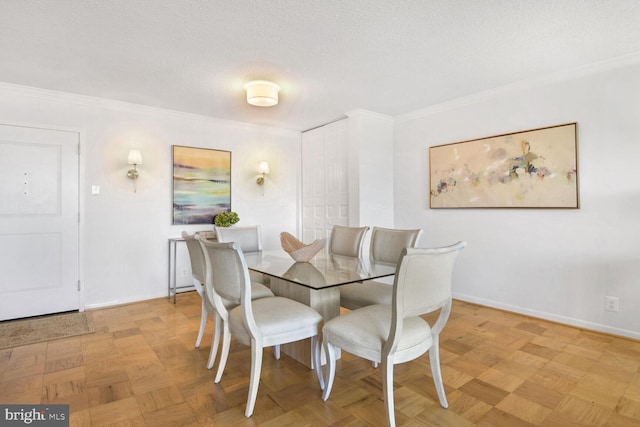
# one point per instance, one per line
(226, 219)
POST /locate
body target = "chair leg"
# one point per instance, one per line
(434, 361)
(215, 340)
(387, 387)
(254, 381)
(203, 324)
(276, 351)
(226, 342)
(330, 352)
(317, 364)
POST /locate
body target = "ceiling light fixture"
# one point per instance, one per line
(262, 93)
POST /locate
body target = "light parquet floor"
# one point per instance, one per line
(140, 368)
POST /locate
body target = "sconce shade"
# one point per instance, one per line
(135, 157)
(264, 167)
(262, 93)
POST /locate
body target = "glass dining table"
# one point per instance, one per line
(315, 283)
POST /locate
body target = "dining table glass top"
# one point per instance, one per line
(323, 271)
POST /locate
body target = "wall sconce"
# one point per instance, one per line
(262, 93)
(135, 159)
(263, 169)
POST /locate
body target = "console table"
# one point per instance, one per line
(173, 280)
(173, 254)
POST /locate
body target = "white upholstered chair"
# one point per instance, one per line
(196, 258)
(257, 323)
(385, 248)
(393, 334)
(249, 238)
(199, 272)
(347, 241)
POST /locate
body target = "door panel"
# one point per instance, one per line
(38, 221)
(324, 180)
(43, 247)
(336, 197)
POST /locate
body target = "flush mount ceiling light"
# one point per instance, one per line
(262, 93)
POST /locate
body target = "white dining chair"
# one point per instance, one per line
(257, 323)
(394, 334)
(347, 241)
(208, 307)
(249, 238)
(196, 259)
(385, 248)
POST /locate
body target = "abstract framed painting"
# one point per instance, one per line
(536, 168)
(201, 184)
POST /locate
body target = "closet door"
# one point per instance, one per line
(325, 199)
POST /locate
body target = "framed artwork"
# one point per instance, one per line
(535, 168)
(201, 184)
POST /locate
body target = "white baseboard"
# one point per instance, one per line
(136, 298)
(549, 316)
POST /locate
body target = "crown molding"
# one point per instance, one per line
(369, 114)
(325, 124)
(558, 76)
(112, 104)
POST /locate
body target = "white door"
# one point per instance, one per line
(39, 221)
(336, 198)
(324, 180)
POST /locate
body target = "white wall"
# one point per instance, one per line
(124, 234)
(370, 166)
(554, 264)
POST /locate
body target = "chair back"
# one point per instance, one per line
(423, 280)
(347, 241)
(228, 280)
(387, 243)
(422, 285)
(227, 272)
(196, 257)
(248, 238)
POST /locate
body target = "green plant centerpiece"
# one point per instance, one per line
(226, 219)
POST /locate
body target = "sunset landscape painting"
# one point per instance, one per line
(201, 184)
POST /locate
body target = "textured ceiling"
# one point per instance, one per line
(329, 56)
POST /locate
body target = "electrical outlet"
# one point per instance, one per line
(612, 303)
(183, 272)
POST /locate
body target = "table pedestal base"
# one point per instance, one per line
(324, 301)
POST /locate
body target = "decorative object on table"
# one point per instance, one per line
(201, 184)
(298, 250)
(536, 168)
(226, 219)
